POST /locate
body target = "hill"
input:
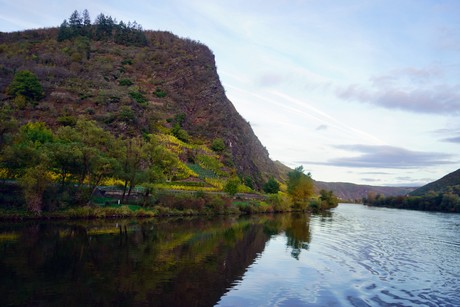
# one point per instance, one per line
(448, 183)
(158, 85)
(356, 192)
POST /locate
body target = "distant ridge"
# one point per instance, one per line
(441, 185)
(355, 192)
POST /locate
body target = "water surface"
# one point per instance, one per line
(359, 256)
(351, 256)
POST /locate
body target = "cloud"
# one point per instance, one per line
(448, 135)
(410, 89)
(371, 156)
(452, 139)
(322, 127)
(270, 79)
(370, 179)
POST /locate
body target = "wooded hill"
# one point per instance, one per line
(356, 192)
(132, 83)
(448, 183)
(440, 195)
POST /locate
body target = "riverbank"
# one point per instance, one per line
(172, 205)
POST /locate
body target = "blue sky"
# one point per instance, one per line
(359, 91)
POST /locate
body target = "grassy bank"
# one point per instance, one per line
(165, 204)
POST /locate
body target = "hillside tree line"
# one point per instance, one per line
(104, 28)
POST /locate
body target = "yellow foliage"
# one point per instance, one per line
(112, 182)
(3, 173)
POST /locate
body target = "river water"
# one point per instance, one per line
(351, 256)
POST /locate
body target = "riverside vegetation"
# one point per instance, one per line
(106, 119)
(441, 195)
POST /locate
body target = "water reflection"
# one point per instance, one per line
(165, 262)
(352, 256)
(298, 234)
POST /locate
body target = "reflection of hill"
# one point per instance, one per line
(160, 263)
(204, 283)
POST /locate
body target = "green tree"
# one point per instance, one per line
(94, 160)
(328, 199)
(27, 159)
(25, 83)
(300, 187)
(271, 186)
(231, 187)
(133, 163)
(218, 145)
(65, 32)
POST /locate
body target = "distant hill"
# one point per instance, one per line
(441, 185)
(356, 192)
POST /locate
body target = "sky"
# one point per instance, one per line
(361, 91)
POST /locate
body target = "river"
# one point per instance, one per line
(351, 256)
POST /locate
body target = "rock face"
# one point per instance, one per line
(133, 90)
(199, 94)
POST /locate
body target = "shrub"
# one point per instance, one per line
(271, 186)
(138, 96)
(231, 187)
(67, 120)
(25, 83)
(159, 93)
(125, 82)
(126, 114)
(218, 145)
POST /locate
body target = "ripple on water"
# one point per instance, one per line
(392, 256)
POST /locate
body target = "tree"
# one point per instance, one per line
(25, 83)
(328, 199)
(64, 31)
(104, 27)
(27, 159)
(231, 187)
(75, 21)
(271, 186)
(86, 19)
(300, 187)
(218, 145)
(133, 162)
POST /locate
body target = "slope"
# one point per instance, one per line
(169, 84)
(356, 192)
(446, 183)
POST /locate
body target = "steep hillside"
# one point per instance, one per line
(166, 84)
(356, 192)
(449, 182)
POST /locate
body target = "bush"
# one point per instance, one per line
(231, 187)
(125, 82)
(281, 202)
(218, 145)
(67, 120)
(25, 83)
(159, 93)
(138, 96)
(271, 186)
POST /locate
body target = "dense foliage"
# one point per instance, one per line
(104, 28)
(445, 184)
(25, 84)
(271, 186)
(300, 187)
(445, 202)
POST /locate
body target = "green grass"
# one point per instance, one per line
(202, 172)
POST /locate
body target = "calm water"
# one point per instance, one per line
(352, 256)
